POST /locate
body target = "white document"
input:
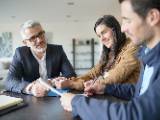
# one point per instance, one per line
(49, 87)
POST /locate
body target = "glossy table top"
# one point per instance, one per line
(46, 108)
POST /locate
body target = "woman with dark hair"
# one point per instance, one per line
(118, 63)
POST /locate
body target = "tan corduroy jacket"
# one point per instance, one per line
(126, 69)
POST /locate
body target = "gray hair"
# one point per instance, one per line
(28, 24)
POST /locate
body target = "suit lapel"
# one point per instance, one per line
(48, 62)
(35, 65)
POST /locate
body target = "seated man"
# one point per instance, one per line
(141, 21)
(34, 60)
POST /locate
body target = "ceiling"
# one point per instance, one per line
(15, 11)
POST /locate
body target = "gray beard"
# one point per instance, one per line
(40, 50)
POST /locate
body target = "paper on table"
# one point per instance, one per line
(49, 86)
(7, 101)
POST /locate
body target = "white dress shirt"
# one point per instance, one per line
(42, 66)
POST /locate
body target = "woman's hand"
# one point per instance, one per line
(93, 88)
(62, 82)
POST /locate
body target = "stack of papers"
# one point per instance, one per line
(8, 101)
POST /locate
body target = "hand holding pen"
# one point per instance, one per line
(93, 86)
(88, 86)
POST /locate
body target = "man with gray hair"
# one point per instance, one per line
(35, 60)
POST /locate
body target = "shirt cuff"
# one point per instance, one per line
(108, 89)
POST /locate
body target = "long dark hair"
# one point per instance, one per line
(109, 54)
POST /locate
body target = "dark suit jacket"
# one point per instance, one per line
(24, 68)
(144, 107)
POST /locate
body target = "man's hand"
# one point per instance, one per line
(29, 87)
(93, 88)
(66, 99)
(38, 89)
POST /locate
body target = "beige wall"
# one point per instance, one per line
(62, 33)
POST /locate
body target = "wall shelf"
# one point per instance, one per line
(83, 54)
